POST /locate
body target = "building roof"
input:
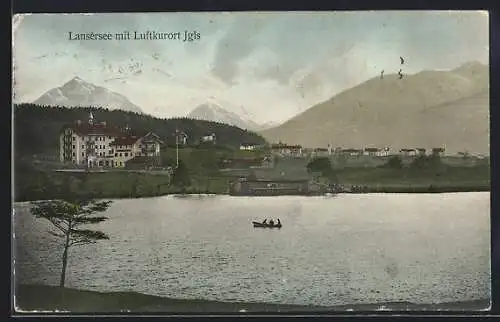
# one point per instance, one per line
(372, 149)
(407, 150)
(151, 137)
(285, 146)
(83, 128)
(125, 140)
(438, 149)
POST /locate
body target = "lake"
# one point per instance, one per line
(346, 249)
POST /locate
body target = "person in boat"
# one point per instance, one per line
(279, 222)
(271, 222)
(264, 222)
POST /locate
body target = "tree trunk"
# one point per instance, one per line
(64, 261)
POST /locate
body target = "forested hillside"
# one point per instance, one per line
(36, 128)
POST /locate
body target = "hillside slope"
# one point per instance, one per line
(397, 112)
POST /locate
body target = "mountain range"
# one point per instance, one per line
(212, 111)
(79, 93)
(429, 109)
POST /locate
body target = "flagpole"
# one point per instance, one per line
(177, 146)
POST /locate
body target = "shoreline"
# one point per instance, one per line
(187, 195)
(36, 297)
(367, 190)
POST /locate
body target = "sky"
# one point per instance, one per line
(261, 65)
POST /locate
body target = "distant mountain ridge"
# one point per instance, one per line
(211, 111)
(429, 109)
(79, 93)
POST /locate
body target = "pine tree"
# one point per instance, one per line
(68, 217)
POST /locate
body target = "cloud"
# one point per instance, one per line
(272, 64)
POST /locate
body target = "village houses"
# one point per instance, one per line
(248, 146)
(100, 145)
(410, 152)
(286, 150)
(209, 138)
(377, 152)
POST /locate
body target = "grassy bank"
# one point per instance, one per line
(32, 184)
(51, 298)
(410, 180)
(37, 185)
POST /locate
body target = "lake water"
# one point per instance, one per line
(370, 248)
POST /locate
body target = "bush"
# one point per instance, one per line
(394, 162)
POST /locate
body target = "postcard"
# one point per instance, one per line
(251, 162)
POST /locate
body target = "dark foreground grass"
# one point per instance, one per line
(52, 298)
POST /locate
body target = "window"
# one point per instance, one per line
(83, 146)
(83, 154)
(120, 154)
(116, 154)
(126, 154)
(109, 137)
(74, 154)
(74, 147)
(74, 138)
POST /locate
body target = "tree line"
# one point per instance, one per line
(37, 128)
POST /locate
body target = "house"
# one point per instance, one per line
(374, 152)
(122, 150)
(421, 151)
(337, 151)
(286, 149)
(438, 151)
(272, 182)
(408, 152)
(248, 146)
(321, 152)
(100, 145)
(208, 138)
(181, 137)
(385, 152)
(352, 152)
